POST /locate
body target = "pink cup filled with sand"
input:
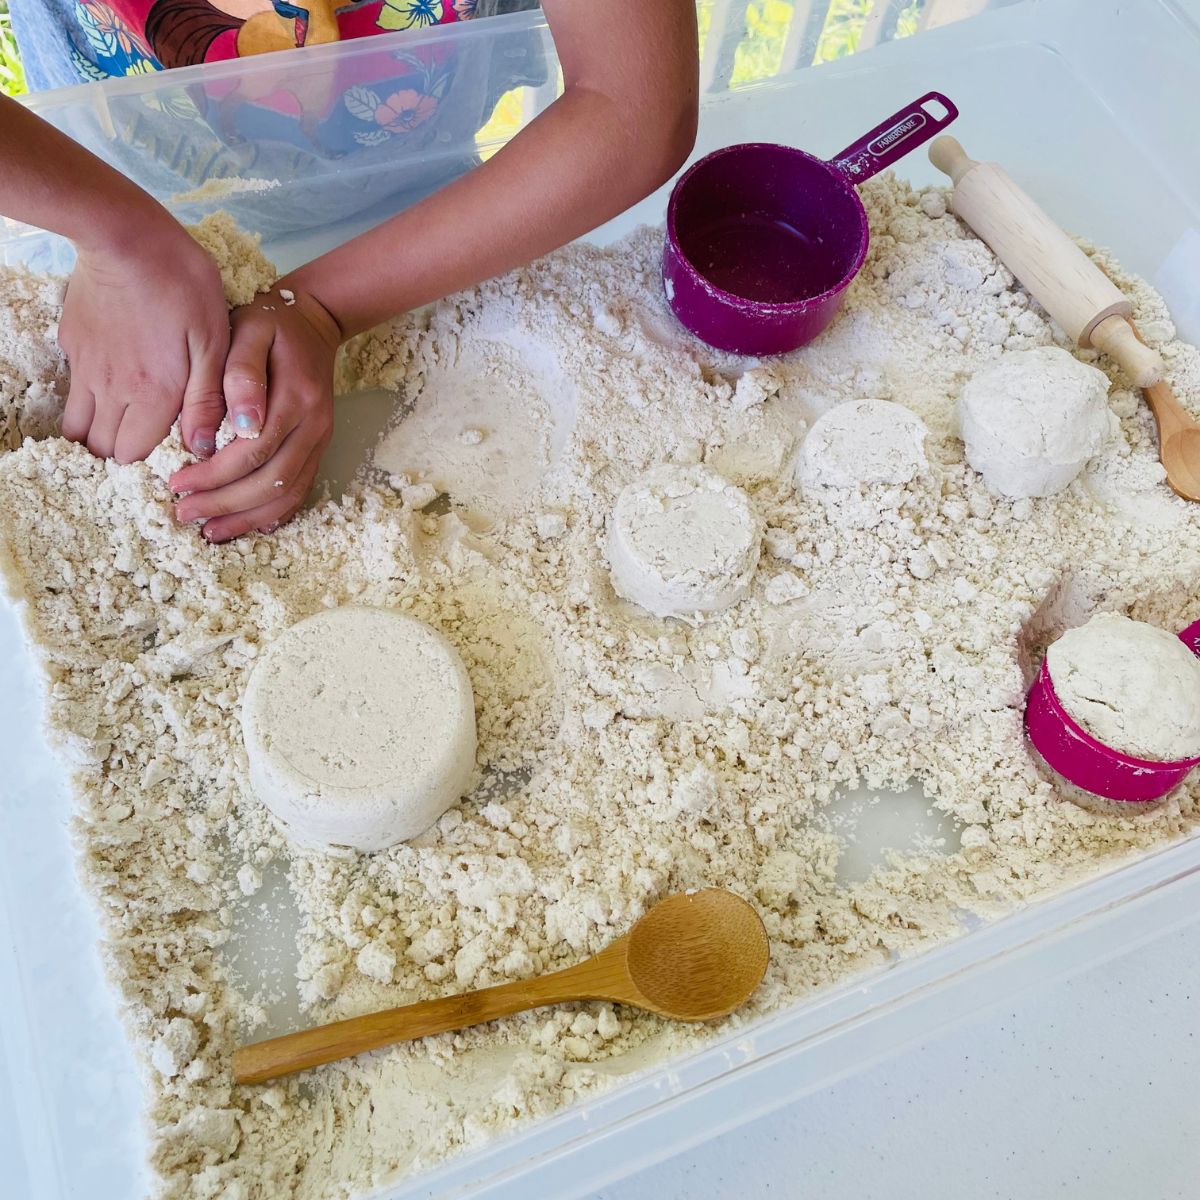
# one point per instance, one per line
(1087, 762)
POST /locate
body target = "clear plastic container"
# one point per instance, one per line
(1069, 95)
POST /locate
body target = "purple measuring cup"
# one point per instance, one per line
(763, 240)
(1088, 763)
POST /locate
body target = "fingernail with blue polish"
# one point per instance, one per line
(204, 445)
(247, 423)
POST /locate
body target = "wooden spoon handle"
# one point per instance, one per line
(1178, 436)
(600, 978)
(1171, 416)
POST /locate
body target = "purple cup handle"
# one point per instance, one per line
(1191, 638)
(890, 141)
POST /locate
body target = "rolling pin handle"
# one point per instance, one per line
(950, 158)
(1115, 337)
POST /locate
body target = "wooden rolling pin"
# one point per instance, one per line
(1063, 280)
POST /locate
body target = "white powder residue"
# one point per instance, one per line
(887, 639)
(223, 189)
(515, 409)
(1132, 686)
(1031, 422)
(683, 541)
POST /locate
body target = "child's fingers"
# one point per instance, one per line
(266, 517)
(239, 459)
(245, 384)
(102, 437)
(281, 478)
(79, 411)
(143, 426)
(203, 402)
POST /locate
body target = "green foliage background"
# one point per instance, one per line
(12, 78)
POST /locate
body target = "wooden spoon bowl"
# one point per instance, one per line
(694, 956)
(1180, 455)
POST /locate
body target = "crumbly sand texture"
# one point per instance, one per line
(888, 636)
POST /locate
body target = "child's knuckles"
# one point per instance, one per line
(143, 390)
(314, 403)
(206, 397)
(259, 451)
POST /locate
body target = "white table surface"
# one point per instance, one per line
(1088, 1088)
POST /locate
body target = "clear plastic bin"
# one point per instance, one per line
(1088, 102)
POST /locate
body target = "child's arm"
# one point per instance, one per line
(144, 323)
(623, 126)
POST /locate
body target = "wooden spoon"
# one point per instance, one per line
(1178, 438)
(694, 956)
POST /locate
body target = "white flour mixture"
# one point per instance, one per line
(864, 441)
(1031, 423)
(359, 727)
(683, 541)
(887, 637)
(1131, 685)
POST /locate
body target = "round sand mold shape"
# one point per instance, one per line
(1031, 422)
(683, 541)
(863, 441)
(359, 725)
(1132, 686)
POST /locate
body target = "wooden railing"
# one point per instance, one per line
(727, 29)
(726, 26)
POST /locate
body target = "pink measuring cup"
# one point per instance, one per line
(763, 240)
(1089, 764)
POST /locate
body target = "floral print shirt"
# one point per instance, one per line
(73, 41)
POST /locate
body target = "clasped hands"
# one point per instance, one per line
(149, 339)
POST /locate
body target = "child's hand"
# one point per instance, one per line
(279, 393)
(145, 329)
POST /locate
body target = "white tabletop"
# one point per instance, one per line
(1085, 1088)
